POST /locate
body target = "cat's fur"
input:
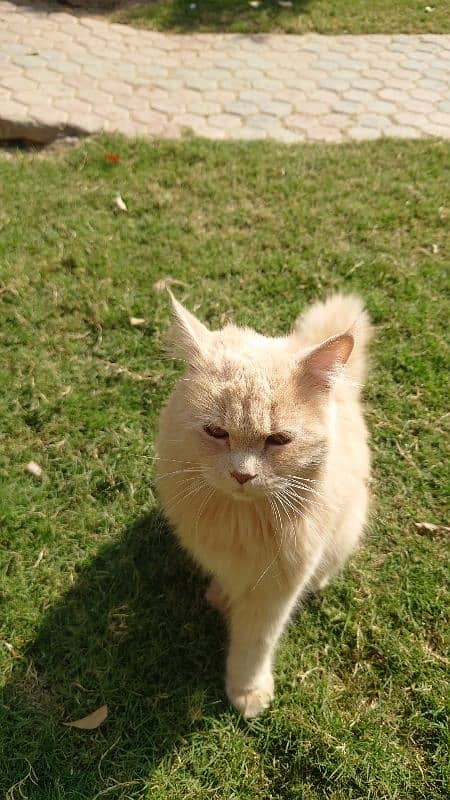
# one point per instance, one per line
(291, 527)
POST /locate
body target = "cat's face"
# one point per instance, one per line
(248, 430)
(255, 412)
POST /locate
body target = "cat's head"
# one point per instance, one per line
(254, 413)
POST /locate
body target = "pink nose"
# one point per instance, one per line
(242, 477)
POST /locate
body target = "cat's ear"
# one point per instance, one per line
(188, 336)
(320, 367)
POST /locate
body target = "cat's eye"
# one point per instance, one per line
(215, 432)
(279, 438)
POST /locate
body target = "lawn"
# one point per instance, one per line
(301, 16)
(98, 604)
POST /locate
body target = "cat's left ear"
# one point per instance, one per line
(320, 367)
(189, 337)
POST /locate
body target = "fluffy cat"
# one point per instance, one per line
(262, 469)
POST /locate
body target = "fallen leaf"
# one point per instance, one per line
(285, 3)
(164, 283)
(136, 321)
(112, 158)
(120, 203)
(91, 721)
(39, 558)
(34, 469)
(435, 655)
(117, 369)
(10, 648)
(430, 526)
(11, 289)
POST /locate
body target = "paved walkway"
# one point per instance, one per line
(67, 73)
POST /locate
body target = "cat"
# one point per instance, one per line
(263, 468)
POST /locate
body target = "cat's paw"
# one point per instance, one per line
(216, 597)
(251, 702)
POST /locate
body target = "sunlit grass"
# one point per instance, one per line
(98, 605)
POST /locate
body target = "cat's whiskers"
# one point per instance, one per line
(180, 484)
(294, 504)
(277, 517)
(284, 508)
(298, 482)
(320, 500)
(302, 478)
(186, 491)
(177, 472)
(307, 502)
(269, 566)
(202, 508)
(276, 511)
(314, 526)
(176, 460)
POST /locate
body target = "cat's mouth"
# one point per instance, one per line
(246, 492)
(242, 494)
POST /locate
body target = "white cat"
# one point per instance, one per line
(262, 468)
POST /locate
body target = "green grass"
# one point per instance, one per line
(304, 16)
(98, 604)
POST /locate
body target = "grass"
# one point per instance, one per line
(303, 16)
(98, 605)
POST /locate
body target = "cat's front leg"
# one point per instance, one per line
(256, 622)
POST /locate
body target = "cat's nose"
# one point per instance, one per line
(242, 477)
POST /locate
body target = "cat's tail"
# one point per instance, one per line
(340, 313)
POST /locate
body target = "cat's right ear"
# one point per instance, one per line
(188, 336)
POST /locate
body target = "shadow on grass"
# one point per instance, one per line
(183, 16)
(134, 633)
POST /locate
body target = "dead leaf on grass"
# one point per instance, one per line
(137, 321)
(34, 469)
(10, 647)
(118, 201)
(430, 527)
(11, 289)
(117, 369)
(39, 558)
(91, 721)
(429, 650)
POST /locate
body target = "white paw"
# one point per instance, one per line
(250, 702)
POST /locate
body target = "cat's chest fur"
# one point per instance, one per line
(237, 538)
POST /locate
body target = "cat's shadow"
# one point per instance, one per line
(133, 633)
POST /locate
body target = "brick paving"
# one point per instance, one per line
(65, 73)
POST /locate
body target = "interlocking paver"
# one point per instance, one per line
(360, 133)
(377, 121)
(225, 121)
(242, 108)
(65, 72)
(339, 121)
(401, 131)
(247, 133)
